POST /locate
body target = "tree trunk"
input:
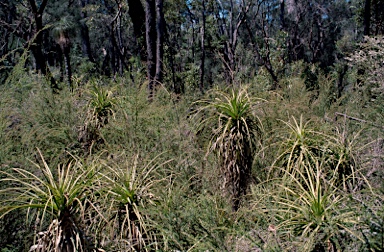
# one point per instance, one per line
(367, 17)
(202, 63)
(137, 14)
(36, 47)
(159, 41)
(85, 40)
(61, 60)
(150, 27)
(281, 16)
(68, 69)
(264, 59)
(340, 80)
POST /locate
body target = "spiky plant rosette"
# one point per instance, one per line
(300, 146)
(303, 146)
(57, 200)
(236, 131)
(346, 156)
(311, 207)
(129, 190)
(101, 105)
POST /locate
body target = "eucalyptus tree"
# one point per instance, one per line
(8, 40)
(262, 32)
(150, 33)
(202, 63)
(154, 25)
(86, 44)
(372, 15)
(231, 16)
(175, 52)
(36, 47)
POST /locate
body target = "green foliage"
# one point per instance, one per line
(62, 30)
(301, 148)
(127, 191)
(101, 107)
(235, 137)
(312, 208)
(58, 201)
(318, 179)
(366, 64)
(373, 218)
(187, 221)
(309, 210)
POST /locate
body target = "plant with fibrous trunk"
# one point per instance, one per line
(61, 32)
(101, 107)
(58, 200)
(235, 136)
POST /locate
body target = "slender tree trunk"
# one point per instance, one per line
(150, 26)
(202, 62)
(340, 80)
(282, 12)
(192, 44)
(117, 44)
(85, 40)
(159, 41)
(367, 17)
(121, 47)
(112, 51)
(68, 69)
(61, 60)
(137, 14)
(264, 59)
(36, 47)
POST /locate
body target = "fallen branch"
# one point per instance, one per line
(357, 119)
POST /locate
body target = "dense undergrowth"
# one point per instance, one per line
(103, 169)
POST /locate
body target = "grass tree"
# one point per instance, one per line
(62, 31)
(300, 145)
(55, 202)
(235, 135)
(101, 106)
(303, 146)
(311, 208)
(130, 188)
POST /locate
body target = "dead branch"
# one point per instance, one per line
(357, 119)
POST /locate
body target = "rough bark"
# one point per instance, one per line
(150, 27)
(367, 17)
(137, 14)
(85, 40)
(68, 69)
(36, 47)
(159, 41)
(202, 60)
